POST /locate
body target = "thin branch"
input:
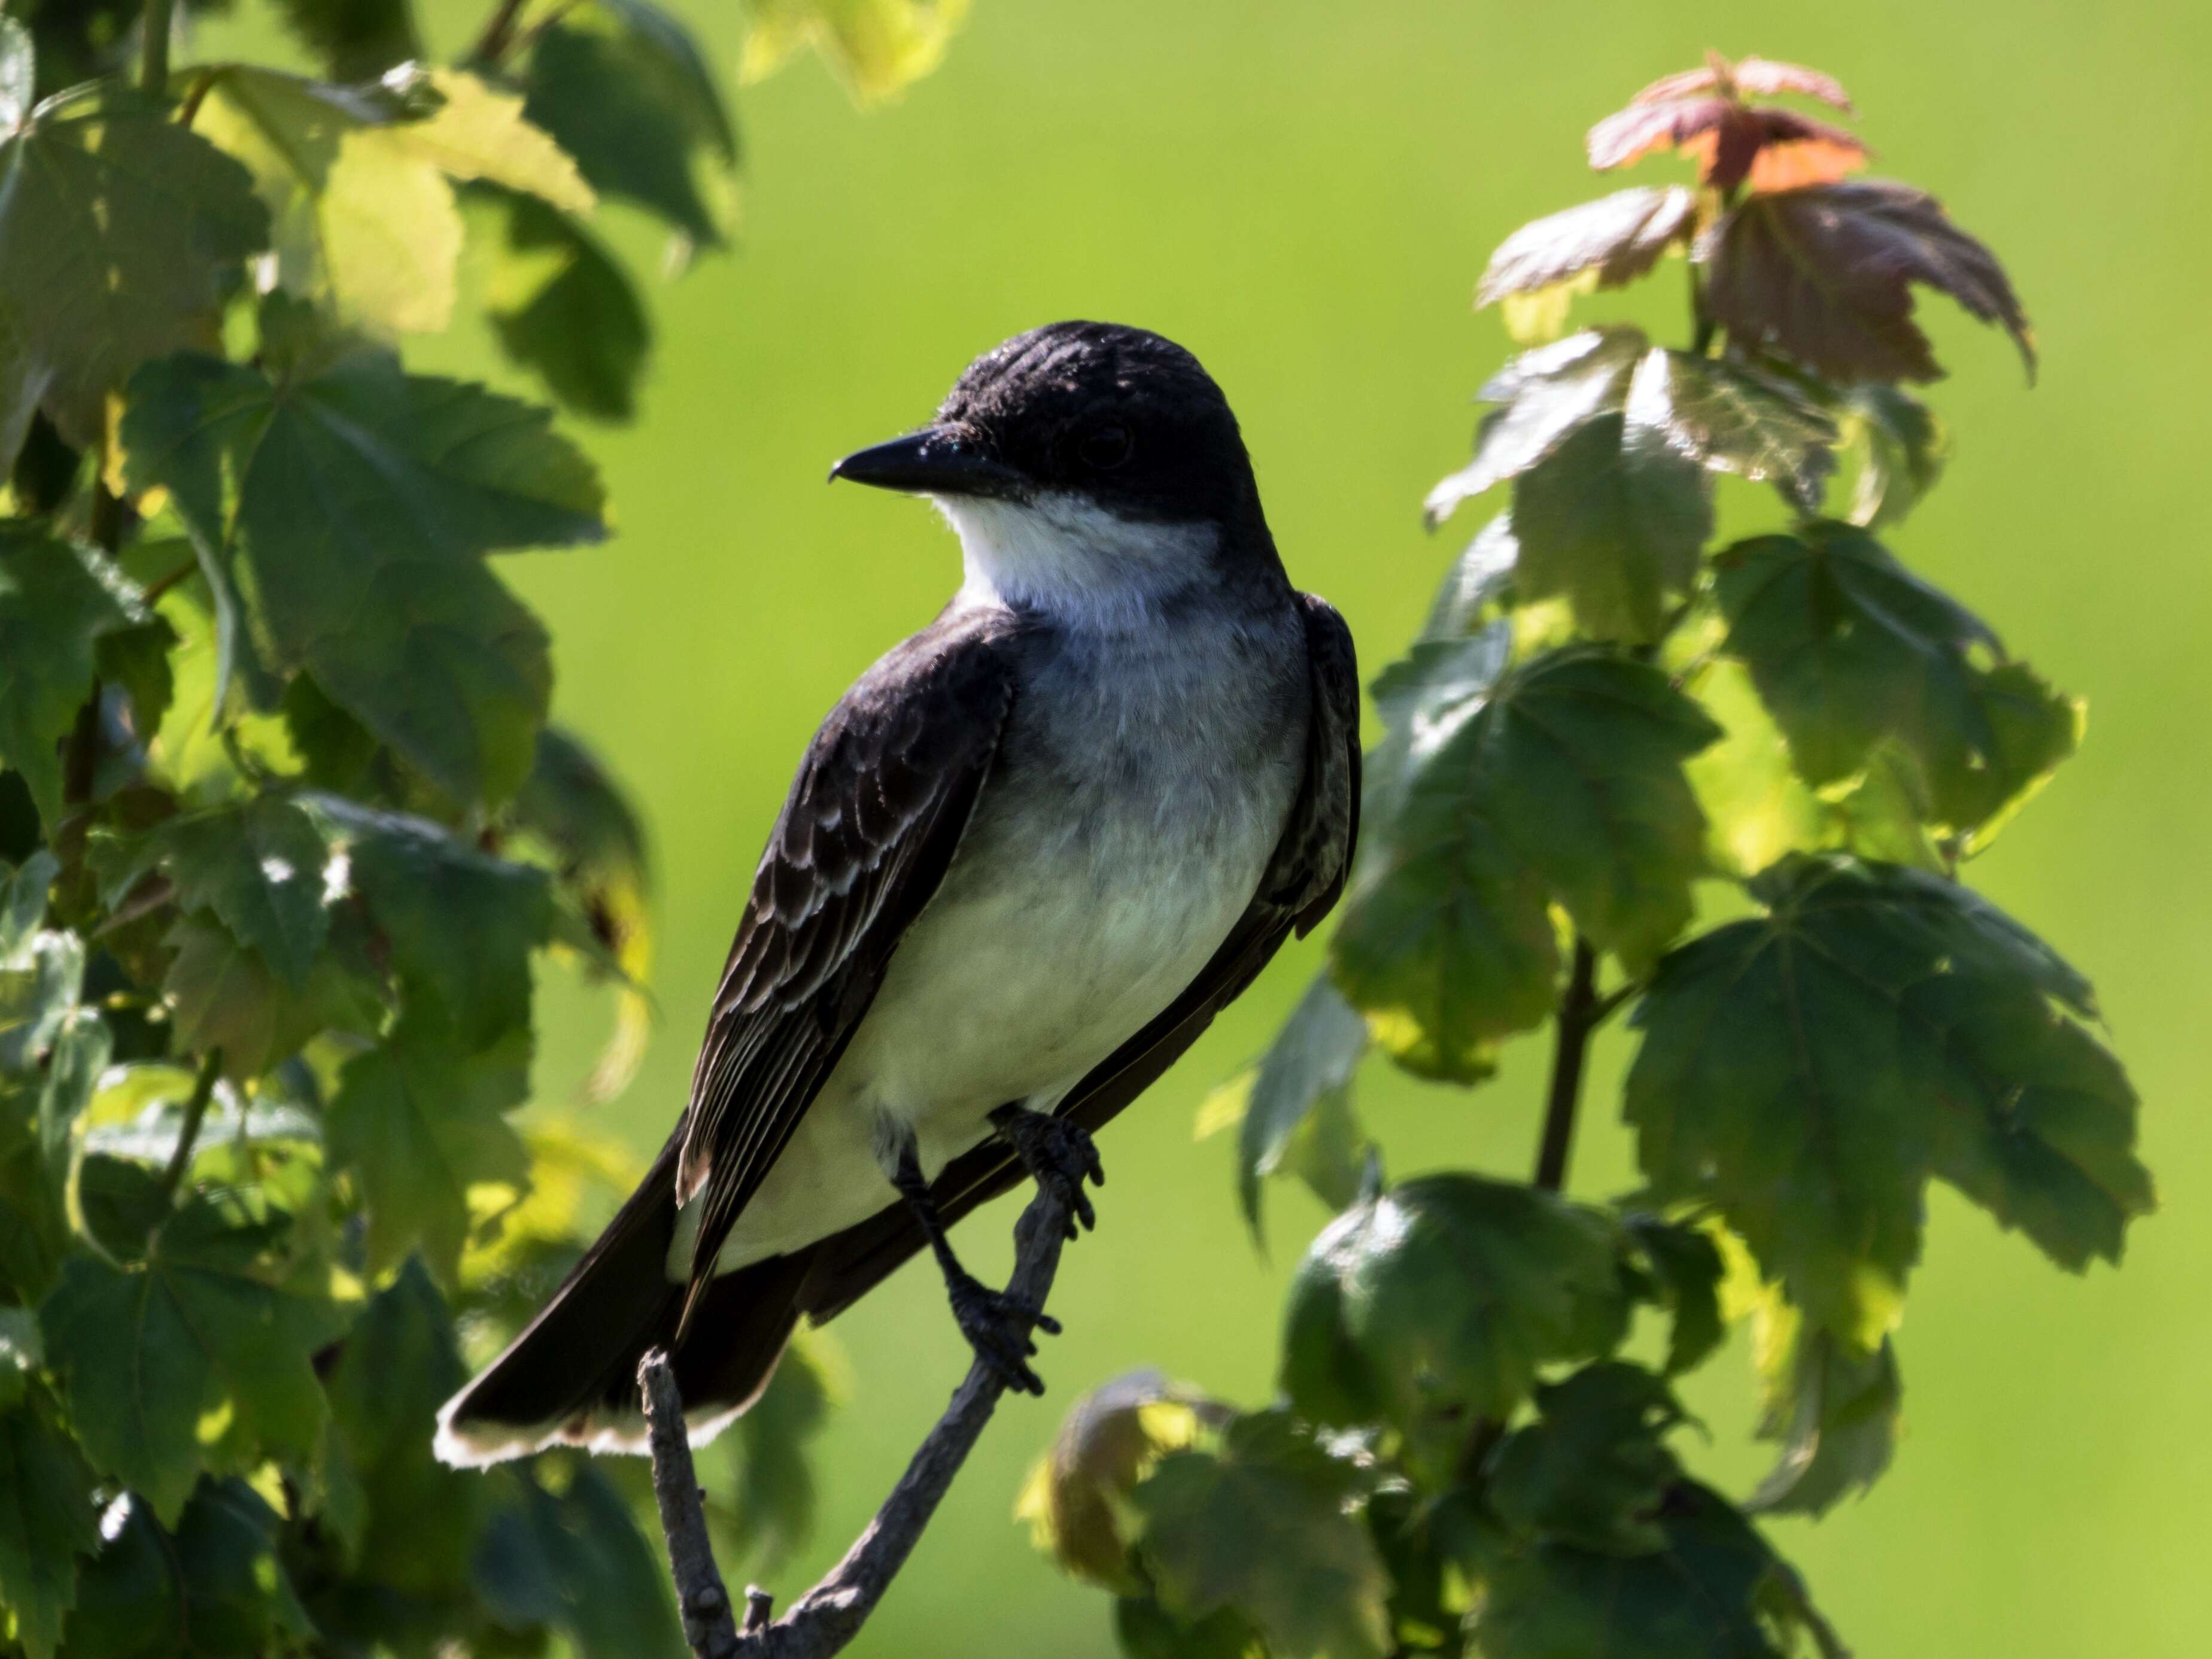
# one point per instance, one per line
(498, 34)
(707, 1625)
(828, 1616)
(1577, 1020)
(154, 589)
(195, 1105)
(153, 46)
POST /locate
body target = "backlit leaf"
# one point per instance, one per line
(1435, 1304)
(1823, 275)
(1686, 1268)
(1848, 648)
(1806, 1072)
(876, 47)
(1076, 1498)
(1305, 1075)
(121, 235)
(195, 1359)
(357, 180)
(1259, 1526)
(367, 496)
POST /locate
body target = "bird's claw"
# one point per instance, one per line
(997, 1327)
(1061, 1155)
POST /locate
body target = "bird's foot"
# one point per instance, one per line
(997, 1327)
(1060, 1153)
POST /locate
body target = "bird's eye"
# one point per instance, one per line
(1108, 447)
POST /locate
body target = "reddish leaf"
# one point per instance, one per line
(1619, 236)
(1754, 74)
(1729, 141)
(1824, 274)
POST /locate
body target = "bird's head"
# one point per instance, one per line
(1086, 466)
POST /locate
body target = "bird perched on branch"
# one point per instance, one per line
(1026, 860)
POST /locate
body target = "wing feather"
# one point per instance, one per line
(871, 823)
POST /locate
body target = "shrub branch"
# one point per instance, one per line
(829, 1615)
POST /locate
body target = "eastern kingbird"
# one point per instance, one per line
(1025, 861)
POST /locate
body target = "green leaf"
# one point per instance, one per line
(397, 1365)
(1808, 1070)
(1835, 1414)
(1607, 243)
(216, 1589)
(1612, 521)
(1713, 1589)
(876, 47)
(56, 601)
(566, 1551)
(39, 990)
(1686, 1268)
(1732, 417)
(1592, 1470)
(261, 866)
(1907, 446)
(1261, 1526)
(47, 1525)
(225, 996)
(1434, 1305)
(18, 73)
(421, 1117)
(355, 40)
(356, 180)
(621, 87)
(1296, 1103)
(1848, 648)
(195, 1359)
(1145, 1629)
(1547, 393)
(1562, 781)
(121, 235)
(564, 307)
(461, 924)
(1075, 1496)
(773, 1496)
(23, 891)
(1480, 580)
(122, 1203)
(367, 496)
(137, 658)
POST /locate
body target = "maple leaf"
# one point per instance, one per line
(1702, 113)
(1825, 274)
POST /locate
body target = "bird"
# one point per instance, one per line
(1026, 860)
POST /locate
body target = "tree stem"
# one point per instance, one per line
(1578, 1017)
(154, 26)
(195, 1105)
(828, 1617)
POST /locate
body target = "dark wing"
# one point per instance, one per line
(1302, 883)
(872, 821)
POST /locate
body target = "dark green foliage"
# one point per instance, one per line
(1603, 719)
(266, 969)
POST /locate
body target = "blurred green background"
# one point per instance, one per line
(1304, 194)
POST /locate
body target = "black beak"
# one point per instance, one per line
(931, 462)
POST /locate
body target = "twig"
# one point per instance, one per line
(828, 1616)
(498, 34)
(1578, 1017)
(195, 1105)
(154, 590)
(153, 46)
(704, 1603)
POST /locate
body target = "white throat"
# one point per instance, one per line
(1071, 560)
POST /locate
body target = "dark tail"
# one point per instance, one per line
(571, 1376)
